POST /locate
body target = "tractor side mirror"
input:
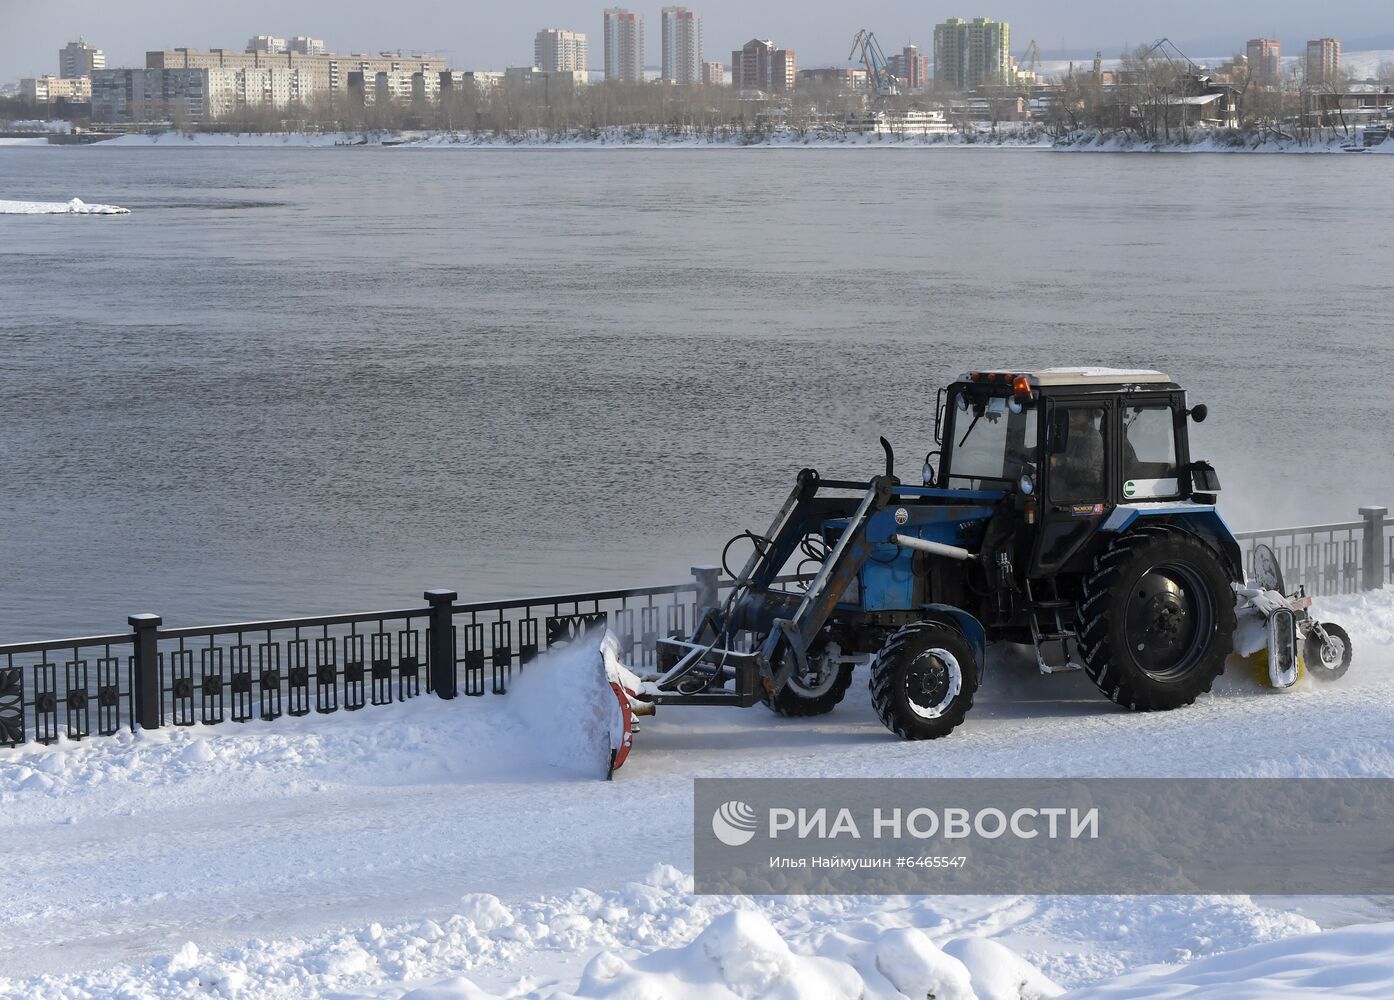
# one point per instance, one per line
(928, 475)
(1198, 413)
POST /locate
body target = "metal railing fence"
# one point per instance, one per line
(153, 676)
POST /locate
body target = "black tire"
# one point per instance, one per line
(1156, 619)
(797, 702)
(1321, 663)
(913, 683)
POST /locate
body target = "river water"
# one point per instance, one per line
(300, 381)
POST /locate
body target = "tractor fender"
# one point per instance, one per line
(1201, 520)
(971, 629)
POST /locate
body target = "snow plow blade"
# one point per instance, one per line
(624, 684)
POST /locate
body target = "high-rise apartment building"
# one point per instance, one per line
(1265, 64)
(307, 46)
(1323, 62)
(972, 54)
(758, 65)
(910, 68)
(557, 50)
(682, 46)
(267, 44)
(78, 59)
(713, 74)
(624, 45)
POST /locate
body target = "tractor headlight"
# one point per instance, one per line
(1014, 404)
(1027, 484)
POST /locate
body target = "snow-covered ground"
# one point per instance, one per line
(465, 849)
(75, 207)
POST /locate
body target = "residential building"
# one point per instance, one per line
(972, 54)
(758, 65)
(845, 79)
(268, 44)
(150, 95)
(530, 79)
(394, 87)
(556, 50)
(78, 59)
(713, 74)
(1323, 62)
(910, 68)
(624, 45)
(307, 46)
(682, 46)
(1265, 64)
(47, 89)
(327, 72)
(474, 82)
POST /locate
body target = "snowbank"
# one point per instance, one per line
(648, 939)
(1351, 962)
(75, 207)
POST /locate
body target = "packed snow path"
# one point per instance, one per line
(121, 850)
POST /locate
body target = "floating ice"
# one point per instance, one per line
(75, 207)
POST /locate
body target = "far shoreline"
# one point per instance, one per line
(629, 139)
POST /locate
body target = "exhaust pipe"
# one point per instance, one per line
(932, 548)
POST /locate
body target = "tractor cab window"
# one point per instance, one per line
(993, 445)
(1149, 452)
(1077, 450)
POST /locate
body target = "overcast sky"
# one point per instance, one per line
(476, 35)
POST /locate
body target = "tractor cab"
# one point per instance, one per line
(1069, 446)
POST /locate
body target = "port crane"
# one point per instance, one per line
(878, 68)
(1029, 58)
(1178, 59)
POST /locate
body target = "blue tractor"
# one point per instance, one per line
(1061, 509)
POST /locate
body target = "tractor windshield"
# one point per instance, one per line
(992, 445)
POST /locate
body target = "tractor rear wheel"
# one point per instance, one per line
(923, 680)
(815, 692)
(1156, 619)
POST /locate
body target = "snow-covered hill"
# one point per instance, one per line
(460, 849)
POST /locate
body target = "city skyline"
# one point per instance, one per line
(495, 39)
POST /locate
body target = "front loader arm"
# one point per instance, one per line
(786, 647)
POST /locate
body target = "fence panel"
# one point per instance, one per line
(1326, 559)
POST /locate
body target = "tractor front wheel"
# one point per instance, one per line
(817, 691)
(923, 681)
(1156, 620)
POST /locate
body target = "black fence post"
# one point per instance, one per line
(440, 642)
(1373, 571)
(146, 695)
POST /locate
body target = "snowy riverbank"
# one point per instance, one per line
(1006, 137)
(437, 847)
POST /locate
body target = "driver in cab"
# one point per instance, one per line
(1077, 466)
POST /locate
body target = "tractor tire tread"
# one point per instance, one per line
(1120, 683)
(885, 680)
(792, 705)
